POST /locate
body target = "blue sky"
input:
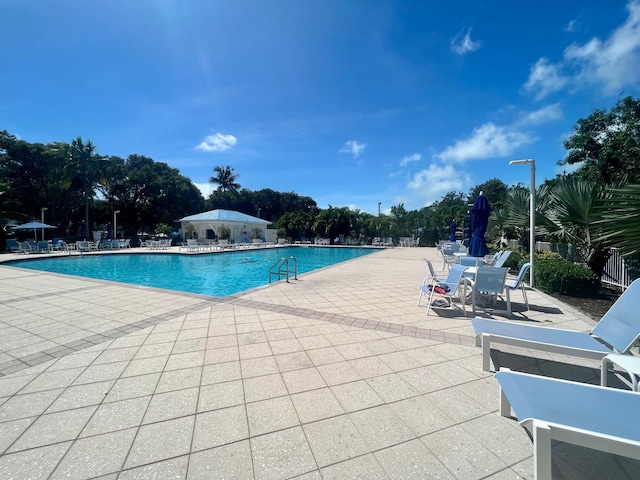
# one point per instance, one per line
(350, 102)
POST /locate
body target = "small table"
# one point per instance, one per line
(628, 363)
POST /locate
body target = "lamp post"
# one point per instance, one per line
(115, 223)
(259, 212)
(42, 210)
(379, 203)
(532, 211)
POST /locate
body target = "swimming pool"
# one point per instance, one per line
(219, 274)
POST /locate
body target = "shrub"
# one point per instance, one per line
(555, 275)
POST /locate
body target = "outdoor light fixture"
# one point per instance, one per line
(115, 223)
(42, 210)
(379, 203)
(532, 211)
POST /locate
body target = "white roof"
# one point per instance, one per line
(220, 215)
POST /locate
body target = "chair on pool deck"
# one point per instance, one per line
(519, 283)
(502, 258)
(616, 332)
(430, 279)
(12, 245)
(451, 287)
(590, 416)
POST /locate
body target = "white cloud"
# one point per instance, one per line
(410, 158)
(433, 183)
(545, 78)
(487, 141)
(205, 188)
(543, 115)
(217, 143)
(462, 43)
(352, 146)
(571, 26)
(614, 62)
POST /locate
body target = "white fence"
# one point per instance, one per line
(621, 271)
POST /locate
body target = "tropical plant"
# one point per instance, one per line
(256, 232)
(620, 222)
(226, 179)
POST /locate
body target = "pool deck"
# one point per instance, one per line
(339, 375)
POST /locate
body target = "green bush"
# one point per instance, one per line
(555, 275)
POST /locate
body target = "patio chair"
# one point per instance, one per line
(448, 257)
(25, 247)
(616, 332)
(490, 260)
(595, 417)
(431, 278)
(470, 261)
(519, 283)
(13, 245)
(491, 282)
(503, 258)
(44, 246)
(449, 288)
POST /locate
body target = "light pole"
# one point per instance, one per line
(532, 211)
(379, 203)
(42, 210)
(115, 224)
(259, 212)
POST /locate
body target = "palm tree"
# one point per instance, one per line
(620, 210)
(226, 179)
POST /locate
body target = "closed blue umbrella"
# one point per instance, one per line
(479, 221)
(452, 231)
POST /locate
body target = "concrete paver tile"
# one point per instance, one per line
(264, 387)
(281, 455)
(172, 469)
(334, 439)
(220, 395)
(231, 461)
(131, 387)
(94, 456)
(160, 441)
(271, 415)
(28, 405)
(412, 460)
(316, 405)
(53, 428)
(179, 379)
(21, 464)
(113, 416)
(220, 427)
(421, 415)
(356, 396)
(221, 372)
(380, 427)
(359, 468)
(303, 380)
(174, 404)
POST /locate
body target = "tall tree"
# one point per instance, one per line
(84, 170)
(607, 145)
(226, 179)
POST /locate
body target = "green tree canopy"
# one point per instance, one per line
(607, 145)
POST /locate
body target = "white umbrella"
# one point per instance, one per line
(35, 226)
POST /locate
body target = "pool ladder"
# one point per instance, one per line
(284, 268)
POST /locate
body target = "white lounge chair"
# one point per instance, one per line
(616, 332)
(430, 279)
(590, 416)
(491, 282)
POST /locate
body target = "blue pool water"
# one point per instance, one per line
(219, 274)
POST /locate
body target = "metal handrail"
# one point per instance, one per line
(282, 268)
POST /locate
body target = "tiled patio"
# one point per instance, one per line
(338, 375)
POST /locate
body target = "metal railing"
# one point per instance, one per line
(621, 271)
(284, 268)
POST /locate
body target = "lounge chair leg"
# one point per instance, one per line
(541, 451)
(486, 353)
(505, 406)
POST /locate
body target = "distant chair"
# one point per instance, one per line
(13, 246)
(519, 283)
(503, 258)
(470, 261)
(448, 257)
